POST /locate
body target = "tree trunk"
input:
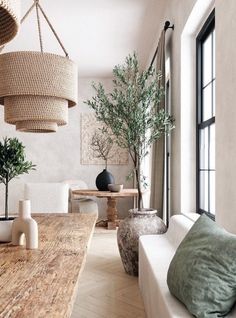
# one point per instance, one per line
(6, 201)
(140, 199)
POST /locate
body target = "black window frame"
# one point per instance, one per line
(206, 30)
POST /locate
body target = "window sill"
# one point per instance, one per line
(191, 216)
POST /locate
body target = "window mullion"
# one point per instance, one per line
(208, 172)
(205, 59)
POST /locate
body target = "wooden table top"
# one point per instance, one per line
(43, 282)
(97, 193)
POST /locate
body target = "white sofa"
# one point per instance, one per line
(47, 197)
(155, 255)
(78, 203)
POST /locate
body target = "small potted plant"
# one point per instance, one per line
(102, 144)
(132, 111)
(12, 164)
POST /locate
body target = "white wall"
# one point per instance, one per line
(57, 155)
(226, 114)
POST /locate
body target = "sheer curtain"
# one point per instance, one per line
(157, 154)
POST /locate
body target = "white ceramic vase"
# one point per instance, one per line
(5, 230)
(25, 225)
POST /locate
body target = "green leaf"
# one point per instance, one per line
(12, 160)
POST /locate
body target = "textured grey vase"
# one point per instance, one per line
(136, 224)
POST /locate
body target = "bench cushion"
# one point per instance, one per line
(202, 273)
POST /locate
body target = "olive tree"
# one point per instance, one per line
(132, 111)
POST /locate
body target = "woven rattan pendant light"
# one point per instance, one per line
(9, 20)
(36, 88)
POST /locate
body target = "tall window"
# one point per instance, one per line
(206, 118)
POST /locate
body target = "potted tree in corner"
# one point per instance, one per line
(132, 112)
(12, 164)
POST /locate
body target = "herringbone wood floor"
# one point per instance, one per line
(105, 291)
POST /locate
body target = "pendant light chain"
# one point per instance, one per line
(27, 13)
(39, 26)
(52, 29)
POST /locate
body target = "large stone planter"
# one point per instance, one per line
(138, 223)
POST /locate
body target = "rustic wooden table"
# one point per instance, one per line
(111, 201)
(43, 283)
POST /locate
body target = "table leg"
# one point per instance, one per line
(111, 213)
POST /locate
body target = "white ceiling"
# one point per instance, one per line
(97, 34)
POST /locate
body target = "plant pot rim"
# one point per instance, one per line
(143, 211)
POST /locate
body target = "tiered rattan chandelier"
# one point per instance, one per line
(36, 88)
(9, 20)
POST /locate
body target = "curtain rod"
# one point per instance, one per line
(166, 27)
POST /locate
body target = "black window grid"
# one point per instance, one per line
(207, 29)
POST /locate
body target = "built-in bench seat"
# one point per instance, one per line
(155, 255)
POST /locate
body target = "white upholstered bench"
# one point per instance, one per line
(155, 255)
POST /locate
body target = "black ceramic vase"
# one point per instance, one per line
(103, 179)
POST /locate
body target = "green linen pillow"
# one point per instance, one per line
(202, 273)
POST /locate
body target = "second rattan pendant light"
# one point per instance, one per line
(36, 88)
(9, 20)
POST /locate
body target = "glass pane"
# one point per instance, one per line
(212, 147)
(203, 148)
(212, 192)
(207, 60)
(214, 71)
(214, 98)
(207, 103)
(204, 190)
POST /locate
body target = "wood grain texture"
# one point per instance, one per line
(43, 283)
(112, 213)
(107, 194)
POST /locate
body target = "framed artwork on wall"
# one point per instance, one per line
(88, 127)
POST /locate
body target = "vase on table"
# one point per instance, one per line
(103, 179)
(138, 222)
(25, 225)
